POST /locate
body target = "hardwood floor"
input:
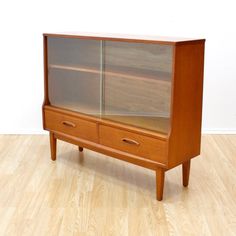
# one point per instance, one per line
(86, 193)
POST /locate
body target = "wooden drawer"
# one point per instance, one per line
(70, 125)
(133, 143)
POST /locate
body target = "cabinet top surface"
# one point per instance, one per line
(126, 37)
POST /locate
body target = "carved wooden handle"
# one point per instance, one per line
(130, 141)
(68, 123)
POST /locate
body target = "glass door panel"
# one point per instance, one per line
(137, 84)
(74, 75)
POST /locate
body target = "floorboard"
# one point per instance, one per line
(91, 194)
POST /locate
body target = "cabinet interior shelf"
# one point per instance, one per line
(156, 76)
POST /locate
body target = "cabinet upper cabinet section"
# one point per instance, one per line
(126, 80)
(120, 81)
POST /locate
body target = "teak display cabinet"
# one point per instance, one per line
(138, 99)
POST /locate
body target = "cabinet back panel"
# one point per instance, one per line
(141, 86)
(76, 52)
(137, 97)
(139, 56)
(77, 91)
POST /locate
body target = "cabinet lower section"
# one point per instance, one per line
(112, 140)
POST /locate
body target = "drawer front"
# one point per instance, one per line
(69, 125)
(140, 145)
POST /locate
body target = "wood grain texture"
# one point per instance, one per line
(90, 194)
(186, 113)
(138, 145)
(115, 124)
(115, 153)
(72, 126)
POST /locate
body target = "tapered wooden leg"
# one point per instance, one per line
(81, 149)
(185, 172)
(53, 146)
(160, 178)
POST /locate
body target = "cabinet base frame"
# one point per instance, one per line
(159, 168)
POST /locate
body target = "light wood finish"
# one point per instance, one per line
(186, 172)
(70, 125)
(146, 132)
(91, 194)
(138, 145)
(53, 146)
(121, 155)
(151, 123)
(186, 114)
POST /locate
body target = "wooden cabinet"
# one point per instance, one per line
(138, 99)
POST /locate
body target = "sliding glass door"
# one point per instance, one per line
(74, 74)
(121, 81)
(137, 84)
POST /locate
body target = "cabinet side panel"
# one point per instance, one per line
(185, 136)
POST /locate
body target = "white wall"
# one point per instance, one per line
(21, 59)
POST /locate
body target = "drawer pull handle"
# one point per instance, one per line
(130, 141)
(68, 123)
